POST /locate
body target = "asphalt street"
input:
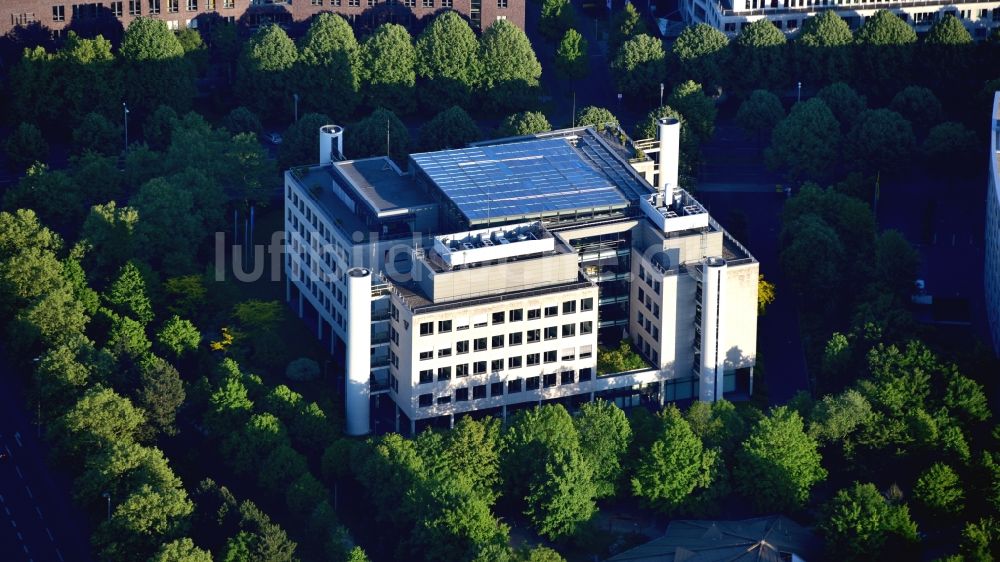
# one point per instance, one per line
(37, 521)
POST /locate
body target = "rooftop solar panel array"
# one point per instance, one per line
(532, 178)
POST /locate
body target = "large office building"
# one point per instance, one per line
(111, 16)
(992, 266)
(730, 16)
(483, 279)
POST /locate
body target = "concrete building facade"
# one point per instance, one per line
(992, 265)
(485, 278)
(60, 15)
(730, 16)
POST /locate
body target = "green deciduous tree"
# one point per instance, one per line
(242, 120)
(946, 52)
(619, 360)
(89, 77)
(329, 76)
(229, 407)
(823, 49)
(625, 25)
(605, 435)
(881, 139)
(298, 147)
(697, 108)
(948, 146)
(639, 67)
(99, 419)
(571, 56)
(859, 524)
(282, 465)
(109, 234)
(557, 18)
(778, 464)
(885, 52)
(702, 51)
(844, 102)
(596, 117)
(181, 550)
(560, 499)
(939, 490)
(142, 520)
(34, 88)
(369, 137)
(452, 128)
(155, 71)
(523, 123)
(389, 62)
(264, 73)
(918, 105)
(178, 336)
(805, 144)
(159, 126)
(447, 62)
(95, 132)
(54, 195)
(836, 416)
(25, 146)
(760, 113)
(510, 70)
(759, 59)
(674, 466)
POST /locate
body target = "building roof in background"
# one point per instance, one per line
(764, 539)
(529, 178)
(381, 185)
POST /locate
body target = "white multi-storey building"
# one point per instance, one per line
(484, 278)
(730, 16)
(992, 266)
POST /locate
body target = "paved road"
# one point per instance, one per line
(37, 521)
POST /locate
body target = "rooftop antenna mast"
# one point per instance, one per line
(386, 167)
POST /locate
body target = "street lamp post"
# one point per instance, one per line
(800, 92)
(125, 108)
(38, 393)
(107, 496)
(296, 97)
(661, 94)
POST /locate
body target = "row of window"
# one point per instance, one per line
(511, 387)
(92, 9)
(502, 4)
(648, 279)
(512, 339)
(648, 302)
(427, 376)
(647, 324)
(497, 318)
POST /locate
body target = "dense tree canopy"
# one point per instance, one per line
(510, 70)
(760, 113)
(452, 128)
(328, 77)
(389, 62)
(368, 137)
(639, 67)
(571, 56)
(524, 123)
(605, 435)
(806, 144)
(885, 52)
(557, 18)
(595, 117)
(758, 57)
(918, 105)
(625, 24)
(881, 139)
(701, 50)
(823, 49)
(859, 523)
(155, 71)
(674, 466)
(264, 74)
(844, 102)
(447, 62)
(697, 108)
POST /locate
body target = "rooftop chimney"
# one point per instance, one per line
(331, 144)
(668, 131)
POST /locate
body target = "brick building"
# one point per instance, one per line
(111, 16)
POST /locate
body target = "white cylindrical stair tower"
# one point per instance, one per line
(713, 337)
(357, 391)
(331, 144)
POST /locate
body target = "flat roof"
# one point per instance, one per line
(381, 185)
(528, 178)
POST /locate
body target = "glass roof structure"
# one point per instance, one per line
(531, 178)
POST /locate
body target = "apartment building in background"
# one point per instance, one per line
(483, 279)
(730, 16)
(101, 17)
(992, 265)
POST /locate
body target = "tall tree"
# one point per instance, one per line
(98, 420)
(264, 73)
(89, 76)
(805, 144)
(760, 113)
(369, 136)
(560, 498)
(557, 18)
(155, 71)
(328, 74)
(845, 103)
(884, 52)
(625, 25)
(389, 61)
(674, 466)
(604, 438)
(127, 294)
(181, 550)
(919, 106)
(510, 70)
(758, 57)
(859, 523)
(34, 88)
(96, 133)
(52, 194)
(881, 139)
(447, 62)
(298, 147)
(596, 117)
(949, 146)
(698, 109)
(25, 146)
(161, 393)
(946, 52)
(939, 490)
(701, 50)
(178, 336)
(524, 123)
(639, 67)
(778, 464)
(823, 48)
(571, 56)
(452, 128)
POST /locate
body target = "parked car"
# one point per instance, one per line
(273, 138)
